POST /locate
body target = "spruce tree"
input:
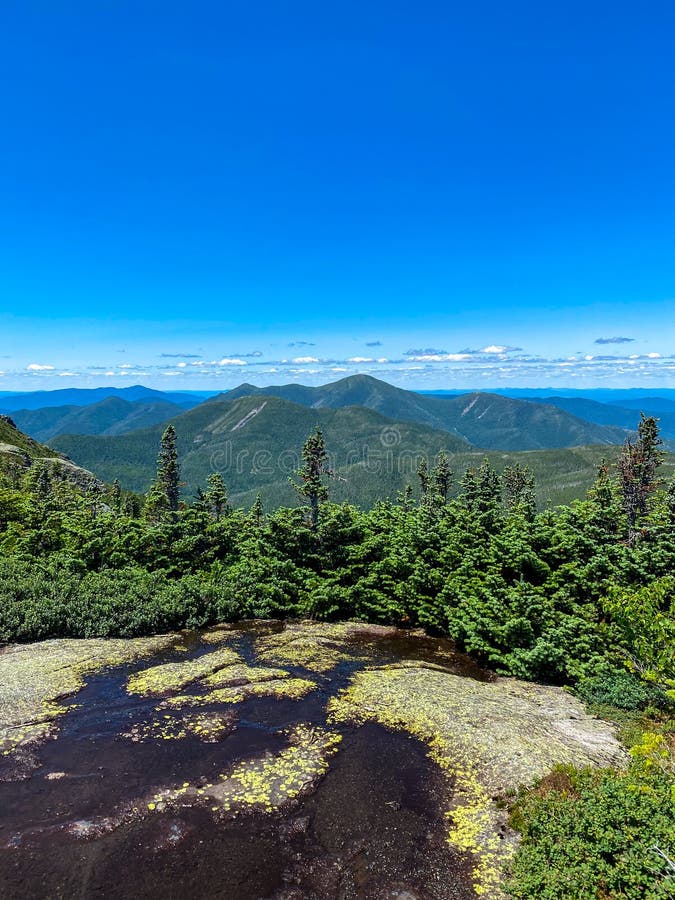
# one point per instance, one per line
(519, 493)
(164, 494)
(638, 465)
(201, 503)
(442, 477)
(116, 496)
(312, 472)
(216, 495)
(257, 512)
(168, 469)
(423, 475)
(405, 498)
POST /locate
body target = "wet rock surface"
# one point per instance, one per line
(268, 761)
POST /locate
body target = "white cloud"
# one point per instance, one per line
(67, 375)
(382, 359)
(36, 367)
(494, 348)
(360, 359)
(442, 357)
(181, 365)
(653, 356)
(300, 360)
(231, 362)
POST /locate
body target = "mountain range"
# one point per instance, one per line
(11, 401)
(486, 420)
(376, 434)
(110, 416)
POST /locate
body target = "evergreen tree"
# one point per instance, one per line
(604, 505)
(216, 495)
(423, 475)
(156, 505)
(405, 498)
(257, 512)
(519, 493)
(42, 484)
(168, 469)
(201, 503)
(638, 465)
(116, 496)
(442, 477)
(670, 502)
(312, 472)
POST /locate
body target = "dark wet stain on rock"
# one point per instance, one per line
(74, 819)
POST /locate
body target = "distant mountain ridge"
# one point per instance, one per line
(489, 421)
(10, 402)
(256, 441)
(110, 416)
(254, 436)
(619, 415)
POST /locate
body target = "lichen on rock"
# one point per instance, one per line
(240, 673)
(315, 646)
(487, 737)
(175, 675)
(266, 783)
(221, 633)
(34, 677)
(280, 688)
(208, 727)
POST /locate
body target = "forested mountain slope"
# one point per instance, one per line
(257, 441)
(110, 416)
(489, 421)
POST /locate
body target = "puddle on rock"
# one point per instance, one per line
(136, 799)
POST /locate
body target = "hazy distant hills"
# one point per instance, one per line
(489, 421)
(10, 402)
(110, 416)
(625, 415)
(485, 420)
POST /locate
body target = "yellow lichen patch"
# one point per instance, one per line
(289, 688)
(221, 633)
(488, 738)
(272, 781)
(33, 677)
(315, 646)
(175, 675)
(266, 783)
(208, 727)
(240, 673)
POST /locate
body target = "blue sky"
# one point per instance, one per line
(444, 195)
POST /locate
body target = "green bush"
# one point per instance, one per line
(592, 833)
(622, 690)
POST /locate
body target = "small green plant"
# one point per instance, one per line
(599, 833)
(621, 690)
